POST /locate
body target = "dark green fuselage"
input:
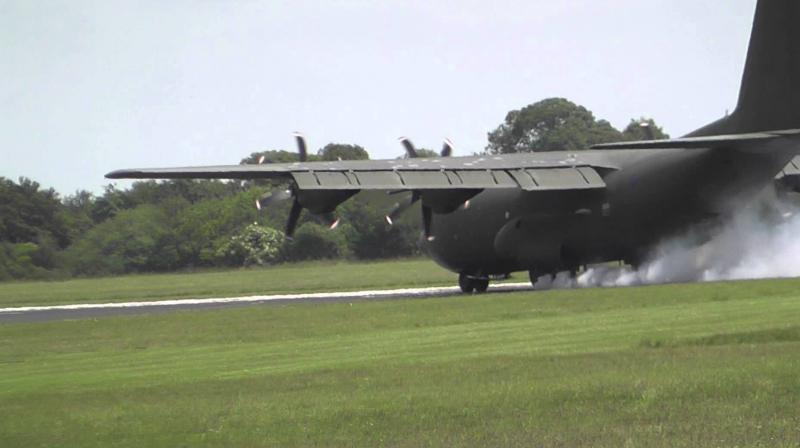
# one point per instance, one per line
(656, 194)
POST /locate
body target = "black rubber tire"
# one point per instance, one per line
(480, 284)
(466, 284)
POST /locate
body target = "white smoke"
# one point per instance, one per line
(762, 241)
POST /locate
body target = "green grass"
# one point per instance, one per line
(665, 366)
(281, 279)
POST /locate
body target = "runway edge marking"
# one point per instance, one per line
(409, 292)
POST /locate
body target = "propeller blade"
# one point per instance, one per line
(400, 207)
(412, 153)
(294, 216)
(648, 130)
(427, 222)
(273, 197)
(261, 159)
(447, 148)
(328, 219)
(302, 148)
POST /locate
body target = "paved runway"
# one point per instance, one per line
(95, 310)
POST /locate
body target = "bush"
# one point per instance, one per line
(315, 242)
(202, 228)
(255, 245)
(18, 261)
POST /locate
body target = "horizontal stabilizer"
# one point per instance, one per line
(752, 140)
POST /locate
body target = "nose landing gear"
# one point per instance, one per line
(469, 284)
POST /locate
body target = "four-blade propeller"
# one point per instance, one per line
(405, 204)
(329, 218)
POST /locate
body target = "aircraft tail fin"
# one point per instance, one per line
(769, 98)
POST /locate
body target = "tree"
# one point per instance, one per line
(340, 151)
(29, 214)
(643, 129)
(426, 153)
(108, 205)
(554, 124)
(136, 240)
(77, 213)
(192, 190)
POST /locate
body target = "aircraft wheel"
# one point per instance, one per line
(465, 283)
(481, 285)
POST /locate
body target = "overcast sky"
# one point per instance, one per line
(87, 87)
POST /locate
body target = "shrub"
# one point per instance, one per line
(315, 242)
(254, 245)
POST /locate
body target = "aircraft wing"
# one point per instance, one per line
(750, 141)
(530, 172)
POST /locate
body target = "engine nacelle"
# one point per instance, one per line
(322, 201)
(446, 201)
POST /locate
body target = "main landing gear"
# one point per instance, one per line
(535, 274)
(469, 283)
(547, 278)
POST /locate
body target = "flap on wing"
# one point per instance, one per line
(716, 141)
(577, 178)
(529, 179)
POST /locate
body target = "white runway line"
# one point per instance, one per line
(412, 292)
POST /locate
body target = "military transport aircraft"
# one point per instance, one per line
(547, 212)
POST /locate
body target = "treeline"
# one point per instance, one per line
(185, 224)
(178, 224)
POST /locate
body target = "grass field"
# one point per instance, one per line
(666, 366)
(281, 279)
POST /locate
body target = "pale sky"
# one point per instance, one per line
(87, 87)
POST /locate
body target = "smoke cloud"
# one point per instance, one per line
(762, 241)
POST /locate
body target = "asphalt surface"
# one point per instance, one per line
(100, 310)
